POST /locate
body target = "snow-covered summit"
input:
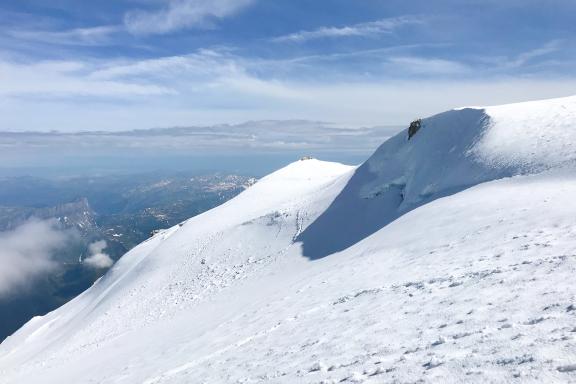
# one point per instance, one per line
(451, 151)
(463, 147)
(430, 263)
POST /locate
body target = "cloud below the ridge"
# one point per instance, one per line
(97, 258)
(254, 137)
(26, 253)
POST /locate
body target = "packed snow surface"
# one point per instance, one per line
(448, 257)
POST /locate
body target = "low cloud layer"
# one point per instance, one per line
(26, 253)
(98, 258)
(252, 136)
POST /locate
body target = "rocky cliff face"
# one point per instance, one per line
(73, 215)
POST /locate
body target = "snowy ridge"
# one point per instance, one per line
(452, 151)
(444, 258)
(467, 146)
(464, 147)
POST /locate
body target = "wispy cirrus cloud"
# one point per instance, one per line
(525, 57)
(427, 66)
(66, 78)
(182, 14)
(92, 36)
(166, 16)
(204, 62)
(396, 60)
(367, 29)
(534, 58)
(210, 86)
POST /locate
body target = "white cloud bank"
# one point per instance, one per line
(98, 258)
(26, 253)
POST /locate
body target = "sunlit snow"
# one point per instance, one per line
(448, 257)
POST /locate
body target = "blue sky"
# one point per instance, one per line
(75, 65)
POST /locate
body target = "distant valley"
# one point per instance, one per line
(110, 213)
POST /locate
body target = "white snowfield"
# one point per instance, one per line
(447, 258)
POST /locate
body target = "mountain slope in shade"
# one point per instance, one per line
(444, 258)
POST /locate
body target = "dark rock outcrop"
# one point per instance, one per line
(414, 127)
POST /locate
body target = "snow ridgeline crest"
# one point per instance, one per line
(443, 155)
(452, 291)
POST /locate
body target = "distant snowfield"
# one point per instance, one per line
(446, 258)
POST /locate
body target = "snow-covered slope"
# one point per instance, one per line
(452, 151)
(444, 258)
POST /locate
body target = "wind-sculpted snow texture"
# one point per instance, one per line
(446, 258)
